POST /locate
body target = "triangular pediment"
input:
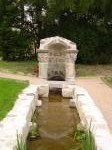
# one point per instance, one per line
(58, 41)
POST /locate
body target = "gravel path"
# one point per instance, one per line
(31, 79)
(99, 91)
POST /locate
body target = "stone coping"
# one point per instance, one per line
(47, 51)
(92, 118)
(18, 119)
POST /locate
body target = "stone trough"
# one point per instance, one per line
(18, 119)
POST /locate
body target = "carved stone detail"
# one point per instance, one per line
(43, 58)
(56, 53)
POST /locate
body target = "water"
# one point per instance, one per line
(56, 124)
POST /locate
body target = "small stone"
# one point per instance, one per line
(44, 90)
(72, 103)
(39, 103)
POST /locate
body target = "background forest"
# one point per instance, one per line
(88, 23)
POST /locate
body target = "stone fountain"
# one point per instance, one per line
(57, 56)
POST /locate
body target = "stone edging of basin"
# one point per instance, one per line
(92, 118)
(18, 119)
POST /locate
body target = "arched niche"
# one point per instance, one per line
(56, 62)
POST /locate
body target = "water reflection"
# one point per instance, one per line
(56, 124)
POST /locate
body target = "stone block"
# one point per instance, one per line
(80, 90)
(67, 92)
(31, 90)
(72, 103)
(85, 99)
(43, 90)
(39, 103)
(103, 139)
(55, 84)
(92, 118)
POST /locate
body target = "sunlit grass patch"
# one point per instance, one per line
(9, 90)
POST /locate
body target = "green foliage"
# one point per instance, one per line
(9, 91)
(23, 67)
(85, 138)
(21, 144)
(88, 141)
(86, 22)
(93, 42)
(81, 6)
(108, 80)
(14, 45)
(34, 130)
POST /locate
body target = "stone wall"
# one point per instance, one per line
(92, 118)
(90, 115)
(18, 119)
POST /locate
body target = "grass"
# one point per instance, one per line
(9, 90)
(24, 67)
(108, 80)
(85, 138)
(27, 67)
(21, 144)
(93, 70)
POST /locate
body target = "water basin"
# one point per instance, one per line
(56, 124)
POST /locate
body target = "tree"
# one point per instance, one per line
(28, 21)
(35, 11)
(14, 41)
